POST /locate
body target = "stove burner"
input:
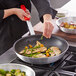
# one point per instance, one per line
(55, 74)
(71, 68)
(68, 66)
(70, 63)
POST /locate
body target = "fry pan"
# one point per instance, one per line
(53, 41)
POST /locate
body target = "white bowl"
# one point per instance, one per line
(9, 66)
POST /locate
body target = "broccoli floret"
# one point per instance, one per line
(3, 72)
(18, 74)
(23, 74)
(13, 71)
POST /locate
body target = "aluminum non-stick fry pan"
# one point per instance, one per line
(53, 41)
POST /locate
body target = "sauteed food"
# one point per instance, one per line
(70, 25)
(40, 51)
(13, 72)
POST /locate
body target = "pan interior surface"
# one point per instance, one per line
(53, 41)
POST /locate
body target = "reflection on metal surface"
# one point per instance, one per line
(8, 56)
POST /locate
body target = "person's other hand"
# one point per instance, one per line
(48, 26)
(21, 13)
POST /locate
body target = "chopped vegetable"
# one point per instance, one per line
(3, 72)
(35, 47)
(47, 51)
(42, 37)
(41, 45)
(39, 50)
(8, 74)
(51, 50)
(13, 72)
(30, 46)
(26, 47)
(68, 25)
(47, 54)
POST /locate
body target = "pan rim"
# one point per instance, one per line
(44, 57)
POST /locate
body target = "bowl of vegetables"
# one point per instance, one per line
(11, 69)
(67, 24)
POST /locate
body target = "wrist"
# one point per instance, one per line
(14, 10)
(47, 17)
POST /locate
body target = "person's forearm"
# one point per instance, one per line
(47, 17)
(8, 12)
(18, 12)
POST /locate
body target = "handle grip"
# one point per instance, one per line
(24, 8)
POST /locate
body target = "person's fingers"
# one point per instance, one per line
(27, 11)
(26, 15)
(21, 14)
(48, 28)
(45, 30)
(22, 18)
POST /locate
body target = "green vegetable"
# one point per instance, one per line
(18, 74)
(25, 50)
(23, 74)
(30, 49)
(51, 50)
(3, 72)
(17, 71)
(44, 53)
(42, 37)
(30, 55)
(35, 47)
(13, 71)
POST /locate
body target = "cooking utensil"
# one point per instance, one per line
(28, 21)
(53, 41)
(68, 20)
(9, 66)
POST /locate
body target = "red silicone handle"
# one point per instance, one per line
(24, 8)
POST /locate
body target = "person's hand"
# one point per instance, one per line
(48, 26)
(21, 13)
